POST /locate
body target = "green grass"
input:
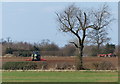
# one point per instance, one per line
(76, 76)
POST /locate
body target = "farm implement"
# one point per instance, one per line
(107, 55)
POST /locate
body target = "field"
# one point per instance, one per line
(75, 76)
(69, 76)
(52, 61)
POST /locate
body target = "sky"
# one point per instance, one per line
(35, 21)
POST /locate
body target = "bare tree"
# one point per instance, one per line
(98, 37)
(101, 20)
(77, 22)
(8, 39)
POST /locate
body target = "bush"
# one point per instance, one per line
(42, 65)
(24, 53)
(61, 66)
(64, 66)
(19, 66)
(104, 65)
(9, 51)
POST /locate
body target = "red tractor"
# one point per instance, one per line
(107, 55)
(36, 57)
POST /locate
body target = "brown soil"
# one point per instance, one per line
(88, 61)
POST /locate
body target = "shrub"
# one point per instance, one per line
(63, 66)
(24, 53)
(104, 65)
(19, 66)
(42, 65)
(96, 65)
(9, 51)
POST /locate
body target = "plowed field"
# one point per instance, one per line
(88, 61)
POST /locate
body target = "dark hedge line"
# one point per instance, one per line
(24, 65)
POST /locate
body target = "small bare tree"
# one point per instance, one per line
(98, 37)
(77, 22)
(101, 20)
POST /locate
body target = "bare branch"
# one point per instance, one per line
(80, 21)
(75, 44)
(85, 19)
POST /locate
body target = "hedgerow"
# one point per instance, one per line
(23, 66)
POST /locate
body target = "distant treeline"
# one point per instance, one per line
(47, 48)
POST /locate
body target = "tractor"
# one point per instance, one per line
(35, 57)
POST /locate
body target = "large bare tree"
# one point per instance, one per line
(77, 22)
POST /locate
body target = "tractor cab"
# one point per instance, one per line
(36, 56)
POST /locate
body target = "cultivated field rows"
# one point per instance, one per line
(54, 61)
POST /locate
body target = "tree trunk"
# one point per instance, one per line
(79, 65)
(81, 58)
(98, 49)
